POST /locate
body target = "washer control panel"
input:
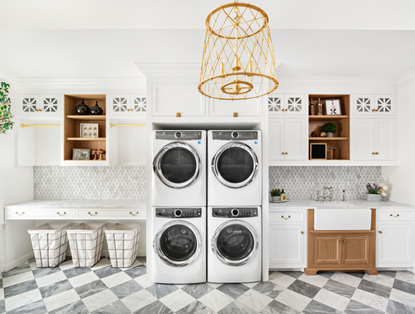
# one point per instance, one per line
(234, 135)
(236, 212)
(179, 135)
(178, 212)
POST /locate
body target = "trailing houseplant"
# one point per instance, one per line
(373, 194)
(275, 194)
(329, 128)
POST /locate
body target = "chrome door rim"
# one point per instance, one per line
(158, 250)
(219, 176)
(159, 173)
(220, 256)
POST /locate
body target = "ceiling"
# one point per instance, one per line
(312, 38)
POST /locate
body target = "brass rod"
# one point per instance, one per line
(39, 125)
(126, 125)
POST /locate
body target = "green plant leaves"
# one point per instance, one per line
(6, 123)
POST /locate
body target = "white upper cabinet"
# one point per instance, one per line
(385, 138)
(287, 104)
(39, 105)
(374, 105)
(276, 140)
(228, 108)
(128, 105)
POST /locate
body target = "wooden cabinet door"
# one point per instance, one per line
(355, 249)
(364, 139)
(327, 249)
(294, 139)
(286, 245)
(276, 140)
(385, 139)
(385, 105)
(394, 246)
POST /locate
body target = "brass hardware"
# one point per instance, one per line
(395, 216)
(40, 109)
(377, 110)
(340, 241)
(39, 125)
(380, 232)
(373, 153)
(64, 213)
(126, 125)
(285, 218)
(344, 241)
(235, 115)
(89, 213)
(178, 114)
(377, 153)
(282, 153)
(373, 110)
(19, 214)
(302, 232)
(286, 153)
(133, 214)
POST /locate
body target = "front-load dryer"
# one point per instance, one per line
(179, 168)
(234, 244)
(234, 162)
(179, 245)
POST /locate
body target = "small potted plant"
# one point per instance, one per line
(275, 195)
(373, 194)
(329, 128)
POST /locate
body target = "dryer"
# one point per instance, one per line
(234, 244)
(179, 168)
(234, 175)
(179, 245)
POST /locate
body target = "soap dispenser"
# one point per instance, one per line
(282, 196)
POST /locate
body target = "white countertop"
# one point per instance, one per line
(102, 203)
(307, 203)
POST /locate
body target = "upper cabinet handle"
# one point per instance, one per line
(395, 216)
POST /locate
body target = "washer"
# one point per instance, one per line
(179, 168)
(179, 245)
(234, 244)
(234, 175)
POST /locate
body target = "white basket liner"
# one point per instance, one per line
(122, 240)
(49, 242)
(85, 241)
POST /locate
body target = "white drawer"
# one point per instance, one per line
(112, 214)
(286, 216)
(13, 214)
(395, 215)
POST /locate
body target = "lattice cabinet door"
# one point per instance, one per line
(276, 104)
(49, 105)
(295, 104)
(139, 104)
(364, 105)
(120, 104)
(29, 105)
(385, 105)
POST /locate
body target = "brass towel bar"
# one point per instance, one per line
(39, 125)
(126, 125)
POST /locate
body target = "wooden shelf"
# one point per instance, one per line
(328, 117)
(87, 139)
(328, 138)
(87, 117)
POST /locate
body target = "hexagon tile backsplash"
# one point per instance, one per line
(130, 182)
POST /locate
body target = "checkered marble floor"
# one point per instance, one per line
(103, 289)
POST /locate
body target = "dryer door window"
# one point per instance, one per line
(178, 243)
(235, 165)
(177, 165)
(235, 243)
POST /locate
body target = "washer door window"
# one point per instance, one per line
(178, 243)
(235, 165)
(177, 165)
(235, 243)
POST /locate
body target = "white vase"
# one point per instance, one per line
(275, 198)
(373, 197)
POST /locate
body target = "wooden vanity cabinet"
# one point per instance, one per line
(340, 250)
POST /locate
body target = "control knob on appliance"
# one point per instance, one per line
(178, 134)
(235, 212)
(178, 213)
(234, 135)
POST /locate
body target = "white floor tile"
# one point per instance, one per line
(1, 294)
(144, 281)
(332, 299)
(50, 279)
(56, 301)
(138, 300)
(22, 299)
(346, 279)
(216, 300)
(315, 280)
(293, 299)
(66, 265)
(98, 300)
(380, 279)
(281, 279)
(13, 280)
(405, 276)
(83, 279)
(251, 284)
(255, 300)
(116, 279)
(177, 300)
(33, 266)
(371, 299)
(402, 297)
(102, 263)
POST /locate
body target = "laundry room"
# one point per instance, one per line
(207, 157)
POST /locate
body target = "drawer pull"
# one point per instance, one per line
(285, 218)
(380, 232)
(64, 213)
(19, 214)
(344, 241)
(133, 214)
(89, 213)
(302, 232)
(395, 216)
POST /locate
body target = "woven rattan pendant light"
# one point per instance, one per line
(238, 57)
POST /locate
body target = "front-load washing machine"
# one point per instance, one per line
(234, 175)
(179, 168)
(234, 244)
(179, 245)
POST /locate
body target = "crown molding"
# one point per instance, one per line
(337, 81)
(169, 69)
(406, 79)
(92, 81)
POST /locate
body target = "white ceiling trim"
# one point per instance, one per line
(89, 82)
(406, 79)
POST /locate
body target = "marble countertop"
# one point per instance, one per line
(302, 203)
(102, 203)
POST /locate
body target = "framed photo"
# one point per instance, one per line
(333, 107)
(81, 154)
(89, 130)
(318, 151)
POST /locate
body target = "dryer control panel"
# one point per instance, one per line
(178, 212)
(179, 135)
(234, 135)
(235, 212)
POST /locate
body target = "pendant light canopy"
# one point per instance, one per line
(238, 57)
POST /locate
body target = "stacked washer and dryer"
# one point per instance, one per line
(206, 206)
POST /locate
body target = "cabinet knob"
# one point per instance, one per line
(89, 213)
(133, 214)
(19, 214)
(373, 153)
(373, 110)
(178, 114)
(394, 216)
(286, 153)
(380, 232)
(58, 213)
(377, 153)
(302, 232)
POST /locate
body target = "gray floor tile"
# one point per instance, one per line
(358, 274)
(304, 288)
(19, 288)
(17, 270)
(40, 272)
(399, 308)
(115, 308)
(358, 308)
(315, 307)
(339, 288)
(32, 260)
(235, 290)
(90, 288)
(326, 274)
(276, 307)
(404, 286)
(136, 271)
(197, 291)
(1, 283)
(126, 288)
(77, 307)
(237, 307)
(160, 291)
(55, 288)
(155, 307)
(37, 307)
(73, 272)
(195, 307)
(391, 274)
(2, 306)
(294, 274)
(269, 289)
(375, 288)
(107, 271)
